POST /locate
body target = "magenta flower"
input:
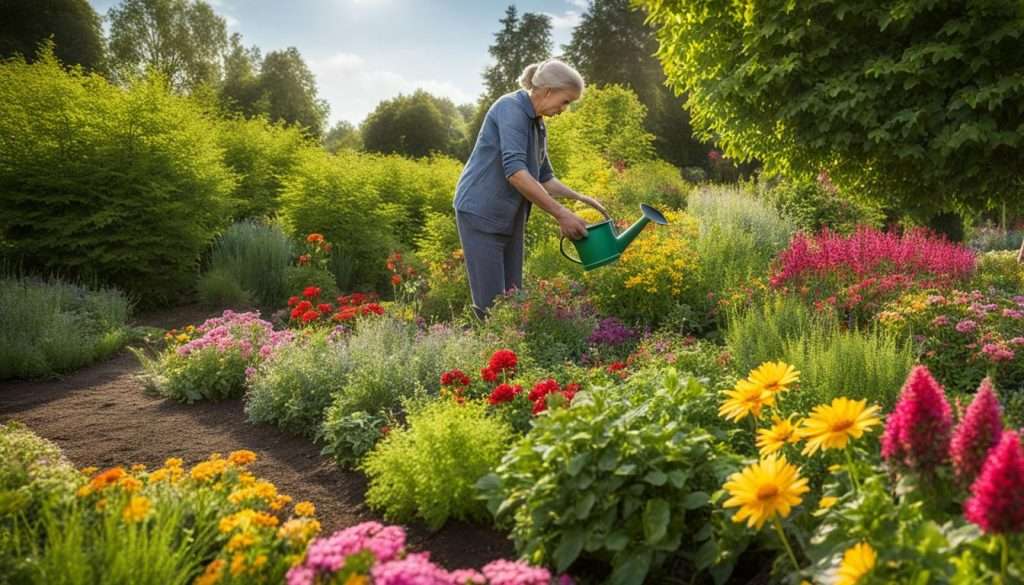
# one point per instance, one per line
(917, 431)
(997, 496)
(966, 326)
(414, 569)
(976, 434)
(998, 352)
(502, 572)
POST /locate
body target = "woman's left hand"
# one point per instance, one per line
(595, 204)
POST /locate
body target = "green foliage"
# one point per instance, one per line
(915, 102)
(256, 257)
(654, 182)
(220, 289)
(297, 278)
(999, 270)
(987, 238)
(350, 437)
(182, 40)
(429, 469)
(416, 125)
(124, 185)
(608, 121)
(622, 475)
(288, 91)
(814, 206)
(448, 285)
(759, 332)
(53, 326)
(72, 24)
(260, 153)
(343, 135)
(294, 389)
(737, 208)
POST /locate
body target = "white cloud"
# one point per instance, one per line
(353, 87)
(581, 4)
(570, 19)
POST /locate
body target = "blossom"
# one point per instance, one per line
(997, 496)
(136, 509)
(746, 398)
(774, 377)
(242, 457)
(541, 389)
(503, 572)
(831, 426)
(315, 238)
(396, 279)
(488, 375)
(311, 292)
(827, 502)
(976, 434)
(454, 378)
(940, 321)
(772, 439)
(305, 509)
(503, 360)
(504, 393)
(966, 326)
(998, 352)
(918, 429)
(310, 316)
(764, 490)
(858, 560)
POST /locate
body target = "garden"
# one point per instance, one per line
(231, 355)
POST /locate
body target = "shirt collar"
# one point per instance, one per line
(524, 101)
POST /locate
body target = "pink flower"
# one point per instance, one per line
(414, 569)
(997, 496)
(502, 572)
(998, 352)
(940, 321)
(976, 434)
(918, 429)
(966, 326)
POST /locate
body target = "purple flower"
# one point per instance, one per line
(612, 332)
(1013, 313)
(966, 326)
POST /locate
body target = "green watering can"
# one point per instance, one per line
(603, 246)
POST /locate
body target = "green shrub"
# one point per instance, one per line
(350, 437)
(999, 270)
(429, 469)
(815, 205)
(297, 278)
(52, 326)
(656, 183)
(759, 332)
(418, 187)
(257, 257)
(439, 248)
(294, 388)
(544, 260)
(219, 288)
(126, 185)
(738, 208)
(260, 154)
(993, 239)
(622, 476)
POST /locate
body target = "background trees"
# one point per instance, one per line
(72, 24)
(415, 125)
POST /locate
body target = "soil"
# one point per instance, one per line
(101, 416)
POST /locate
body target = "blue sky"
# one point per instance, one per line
(363, 51)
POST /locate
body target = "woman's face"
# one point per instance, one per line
(554, 101)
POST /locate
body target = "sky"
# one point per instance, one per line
(365, 51)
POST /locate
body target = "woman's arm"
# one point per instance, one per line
(571, 225)
(558, 189)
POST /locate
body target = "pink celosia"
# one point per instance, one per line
(976, 434)
(918, 429)
(997, 496)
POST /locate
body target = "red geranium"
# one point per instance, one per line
(503, 360)
(570, 391)
(311, 292)
(542, 389)
(324, 308)
(309, 316)
(454, 378)
(373, 308)
(293, 300)
(488, 375)
(304, 306)
(504, 393)
(396, 279)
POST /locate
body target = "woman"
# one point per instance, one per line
(507, 172)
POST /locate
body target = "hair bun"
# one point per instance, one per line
(526, 79)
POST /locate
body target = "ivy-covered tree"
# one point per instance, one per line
(917, 102)
(414, 125)
(73, 26)
(183, 40)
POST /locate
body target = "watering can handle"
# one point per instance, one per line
(561, 246)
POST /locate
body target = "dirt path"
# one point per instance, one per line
(101, 416)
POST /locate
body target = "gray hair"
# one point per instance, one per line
(551, 74)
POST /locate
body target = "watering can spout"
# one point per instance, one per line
(602, 246)
(650, 214)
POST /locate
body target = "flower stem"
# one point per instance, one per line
(1005, 559)
(785, 542)
(851, 470)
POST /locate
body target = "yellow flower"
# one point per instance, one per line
(280, 502)
(263, 490)
(129, 484)
(237, 565)
(830, 426)
(744, 399)
(174, 462)
(357, 580)
(161, 474)
(136, 510)
(827, 502)
(241, 541)
(765, 489)
(305, 509)
(212, 574)
(181, 338)
(208, 469)
(138, 468)
(299, 530)
(774, 377)
(246, 518)
(243, 457)
(771, 440)
(858, 560)
(89, 470)
(259, 561)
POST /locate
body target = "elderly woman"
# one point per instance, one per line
(508, 172)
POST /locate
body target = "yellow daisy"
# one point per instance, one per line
(774, 377)
(746, 398)
(765, 489)
(827, 502)
(781, 432)
(831, 426)
(136, 509)
(858, 560)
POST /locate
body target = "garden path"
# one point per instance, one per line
(100, 416)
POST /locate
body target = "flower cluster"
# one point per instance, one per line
(611, 332)
(372, 552)
(317, 251)
(245, 332)
(454, 384)
(310, 310)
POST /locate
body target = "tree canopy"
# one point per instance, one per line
(919, 103)
(72, 24)
(289, 90)
(415, 125)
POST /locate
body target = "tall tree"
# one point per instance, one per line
(184, 40)
(612, 45)
(240, 90)
(415, 125)
(341, 136)
(72, 24)
(288, 90)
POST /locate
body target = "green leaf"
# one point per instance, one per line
(678, 478)
(576, 464)
(633, 570)
(616, 541)
(657, 513)
(706, 555)
(569, 548)
(656, 477)
(695, 500)
(584, 505)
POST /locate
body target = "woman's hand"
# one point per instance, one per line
(571, 225)
(595, 204)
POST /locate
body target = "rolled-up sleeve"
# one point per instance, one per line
(513, 139)
(546, 172)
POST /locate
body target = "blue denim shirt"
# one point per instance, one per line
(512, 138)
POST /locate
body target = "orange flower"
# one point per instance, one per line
(396, 279)
(315, 238)
(243, 457)
(108, 477)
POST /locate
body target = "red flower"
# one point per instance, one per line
(978, 431)
(918, 430)
(324, 308)
(314, 238)
(997, 496)
(346, 313)
(304, 306)
(396, 280)
(616, 367)
(293, 300)
(488, 375)
(296, 313)
(570, 391)
(304, 259)
(454, 378)
(372, 308)
(503, 360)
(309, 316)
(504, 393)
(540, 406)
(542, 389)
(357, 298)
(384, 430)
(311, 292)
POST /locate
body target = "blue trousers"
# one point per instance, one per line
(494, 261)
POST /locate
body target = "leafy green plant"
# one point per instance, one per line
(260, 153)
(52, 326)
(758, 332)
(256, 256)
(349, 437)
(219, 288)
(298, 278)
(816, 204)
(622, 476)
(999, 270)
(655, 182)
(429, 469)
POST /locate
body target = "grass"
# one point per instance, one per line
(256, 256)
